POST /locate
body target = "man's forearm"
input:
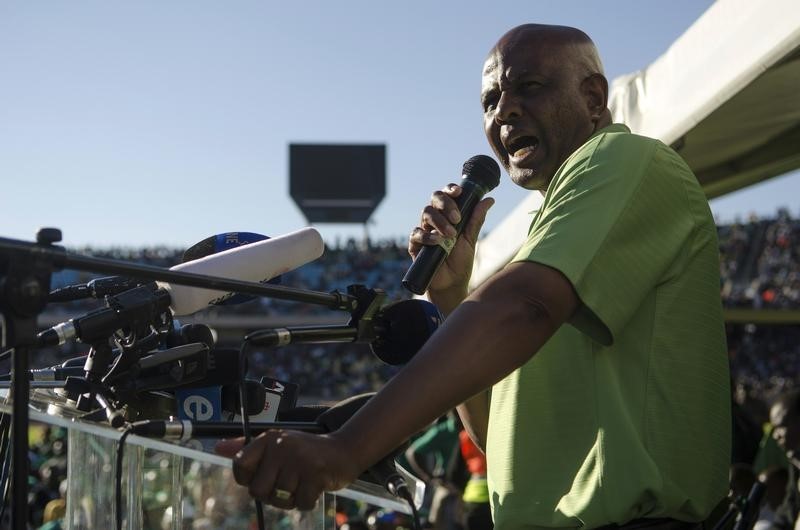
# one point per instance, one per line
(496, 330)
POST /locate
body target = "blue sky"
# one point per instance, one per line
(151, 122)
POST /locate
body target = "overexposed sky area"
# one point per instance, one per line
(144, 123)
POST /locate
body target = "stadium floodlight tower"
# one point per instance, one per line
(337, 183)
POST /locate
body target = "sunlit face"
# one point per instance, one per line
(534, 112)
(786, 430)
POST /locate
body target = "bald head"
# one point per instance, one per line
(572, 47)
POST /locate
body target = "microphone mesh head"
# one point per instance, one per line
(405, 327)
(483, 170)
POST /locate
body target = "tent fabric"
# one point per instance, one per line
(725, 95)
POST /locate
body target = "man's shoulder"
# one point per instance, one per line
(618, 138)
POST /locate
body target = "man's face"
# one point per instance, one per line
(534, 112)
(786, 431)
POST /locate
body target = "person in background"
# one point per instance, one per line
(432, 458)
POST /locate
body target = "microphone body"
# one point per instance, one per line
(97, 288)
(257, 262)
(219, 243)
(142, 306)
(481, 174)
(186, 429)
(396, 332)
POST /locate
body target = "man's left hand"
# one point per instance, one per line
(290, 469)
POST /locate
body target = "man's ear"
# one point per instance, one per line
(595, 91)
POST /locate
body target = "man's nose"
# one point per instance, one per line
(508, 108)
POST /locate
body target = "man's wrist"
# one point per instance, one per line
(446, 300)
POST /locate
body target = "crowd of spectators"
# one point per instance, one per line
(759, 269)
(760, 262)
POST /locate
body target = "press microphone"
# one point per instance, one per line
(113, 285)
(97, 288)
(258, 261)
(140, 306)
(402, 328)
(254, 262)
(256, 398)
(384, 471)
(189, 333)
(396, 332)
(480, 175)
(166, 370)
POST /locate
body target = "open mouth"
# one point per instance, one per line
(524, 145)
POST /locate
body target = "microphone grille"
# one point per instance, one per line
(483, 170)
(407, 325)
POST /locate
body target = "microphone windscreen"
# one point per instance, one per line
(404, 327)
(255, 262)
(221, 243)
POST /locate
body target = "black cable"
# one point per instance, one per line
(246, 420)
(118, 475)
(405, 493)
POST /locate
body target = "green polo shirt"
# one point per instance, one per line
(624, 413)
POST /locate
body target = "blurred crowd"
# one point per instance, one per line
(759, 269)
(760, 262)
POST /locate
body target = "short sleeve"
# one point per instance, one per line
(615, 218)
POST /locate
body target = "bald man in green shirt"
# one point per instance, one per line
(592, 369)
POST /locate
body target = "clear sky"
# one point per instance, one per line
(152, 122)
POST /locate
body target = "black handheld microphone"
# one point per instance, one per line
(481, 174)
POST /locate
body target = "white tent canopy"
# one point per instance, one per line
(726, 95)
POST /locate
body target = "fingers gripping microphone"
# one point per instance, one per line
(481, 174)
(255, 262)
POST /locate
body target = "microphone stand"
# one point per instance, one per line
(24, 286)
(25, 273)
(61, 259)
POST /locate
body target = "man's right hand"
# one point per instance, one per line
(438, 222)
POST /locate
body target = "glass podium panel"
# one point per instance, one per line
(167, 486)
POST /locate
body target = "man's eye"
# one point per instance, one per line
(489, 104)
